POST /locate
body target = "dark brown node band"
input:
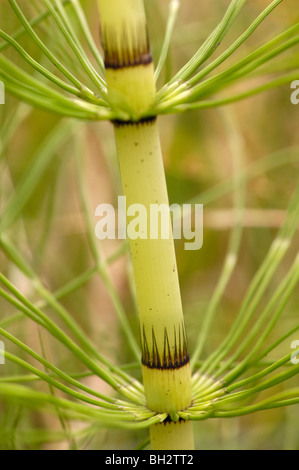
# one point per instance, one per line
(165, 359)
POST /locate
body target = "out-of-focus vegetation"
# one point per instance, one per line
(48, 227)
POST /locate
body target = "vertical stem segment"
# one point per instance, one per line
(165, 358)
(172, 435)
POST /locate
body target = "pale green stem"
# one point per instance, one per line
(131, 84)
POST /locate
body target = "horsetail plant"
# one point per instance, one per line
(121, 87)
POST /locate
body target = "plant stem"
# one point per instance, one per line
(165, 358)
(171, 436)
(164, 350)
